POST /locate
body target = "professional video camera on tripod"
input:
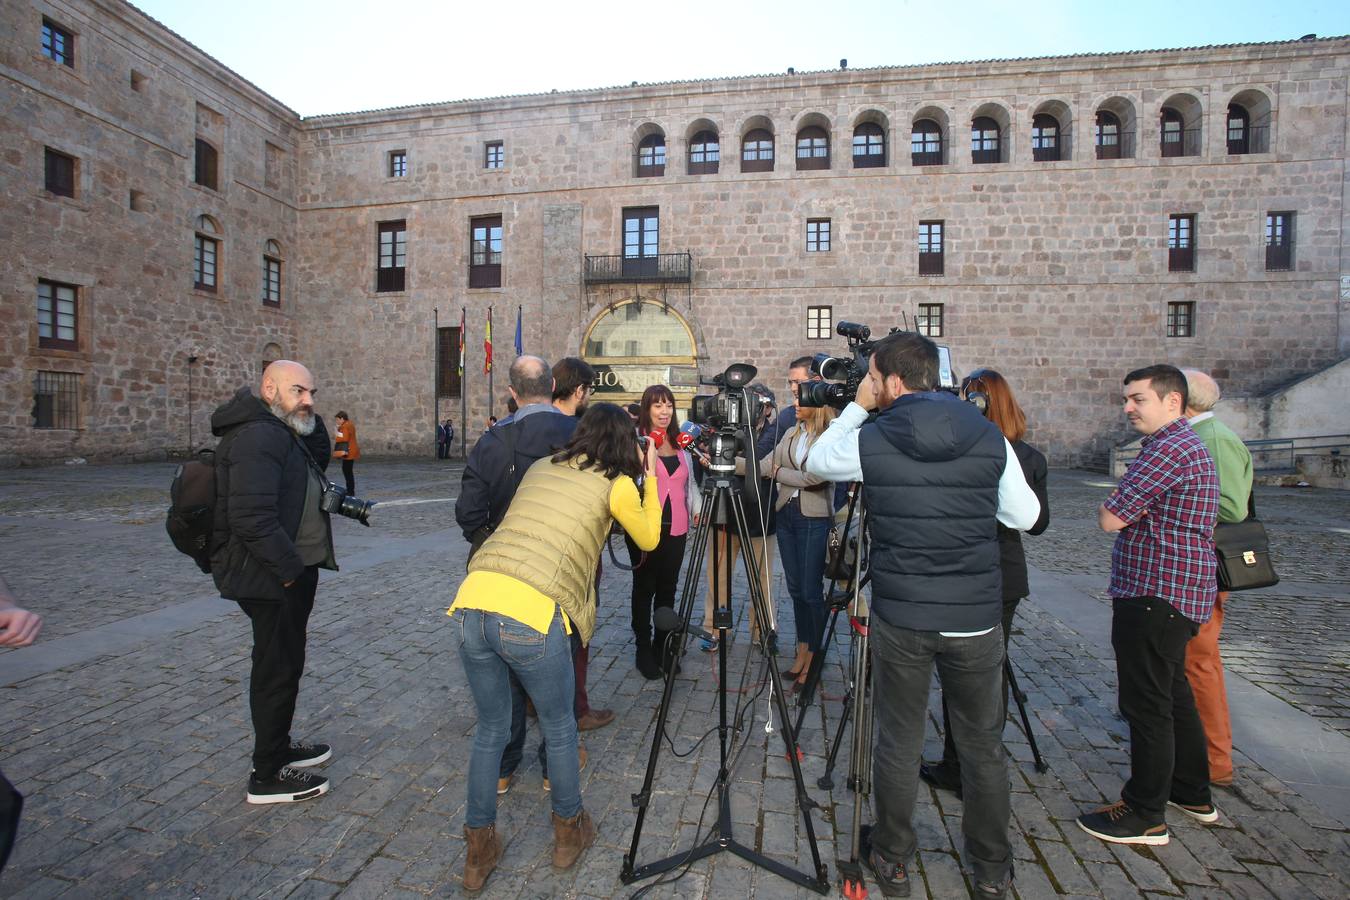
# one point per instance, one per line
(728, 419)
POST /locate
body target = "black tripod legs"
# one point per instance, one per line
(1021, 699)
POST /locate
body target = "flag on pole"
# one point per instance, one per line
(520, 348)
(487, 344)
(461, 341)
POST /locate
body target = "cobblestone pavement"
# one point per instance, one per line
(134, 757)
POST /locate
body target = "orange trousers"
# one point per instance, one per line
(1204, 670)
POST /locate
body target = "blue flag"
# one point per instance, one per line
(520, 348)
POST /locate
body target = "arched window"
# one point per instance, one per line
(704, 152)
(813, 148)
(757, 151)
(984, 141)
(925, 143)
(1044, 138)
(869, 146)
(651, 160)
(1108, 135)
(1173, 130)
(271, 283)
(1239, 129)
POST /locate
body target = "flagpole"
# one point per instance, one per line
(463, 394)
(488, 354)
(436, 374)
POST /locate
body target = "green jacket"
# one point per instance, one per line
(1234, 464)
(552, 536)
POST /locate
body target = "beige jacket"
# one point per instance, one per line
(815, 493)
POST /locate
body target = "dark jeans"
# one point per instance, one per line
(950, 760)
(1169, 758)
(970, 668)
(654, 582)
(802, 542)
(278, 662)
(442, 450)
(349, 473)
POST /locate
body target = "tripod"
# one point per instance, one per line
(721, 495)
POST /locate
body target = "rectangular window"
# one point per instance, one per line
(931, 254)
(929, 320)
(817, 235)
(1181, 243)
(393, 256)
(59, 172)
(204, 252)
(641, 240)
(1279, 241)
(819, 322)
(56, 400)
(206, 164)
(58, 44)
(494, 155)
(1181, 319)
(398, 163)
(271, 288)
(485, 254)
(448, 379)
(58, 315)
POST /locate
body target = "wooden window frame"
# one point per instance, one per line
(398, 164)
(819, 323)
(641, 244)
(1181, 242)
(201, 243)
(206, 165)
(818, 235)
(705, 153)
(1280, 235)
(485, 252)
(981, 151)
(391, 268)
(1171, 133)
(815, 140)
(1181, 318)
(449, 382)
(931, 320)
(932, 247)
(1046, 138)
(926, 139)
(494, 155)
(1242, 144)
(53, 315)
(759, 162)
(51, 33)
(1107, 149)
(271, 286)
(654, 147)
(873, 146)
(60, 172)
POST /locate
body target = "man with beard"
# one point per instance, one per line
(269, 542)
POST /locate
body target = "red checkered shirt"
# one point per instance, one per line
(1169, 500)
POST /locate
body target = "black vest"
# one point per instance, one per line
(931, 466)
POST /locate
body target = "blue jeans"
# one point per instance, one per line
(802, 542)
(490, 646)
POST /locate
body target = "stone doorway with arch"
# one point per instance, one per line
(636, 343)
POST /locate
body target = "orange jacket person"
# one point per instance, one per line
(346, 449)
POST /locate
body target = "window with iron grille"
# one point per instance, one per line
(925, 143)
(817, 235)
(651, 161)
(1239, 130)
(757, 151)
(1108, 135)
(58, 44)
(1181, 243)
(1279, 241)
(58, 172)
(448, 378)
(398, 163)
(985, 141)
(819, 322)
(1172, 132)
(494, 155)
(1181, 318)
(641, 240)
(392, 250)
(931, 255)
(929, 320)
(206, 165)
(704, 153)
(869, 146)
(205, 251)
(813, 148)
(271, 286)
(485, 252)
(1044, 138)
(56, 400)
(58, 308)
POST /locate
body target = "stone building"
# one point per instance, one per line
(1061, 219)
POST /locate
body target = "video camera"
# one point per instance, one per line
(843, 374)
(729, 416)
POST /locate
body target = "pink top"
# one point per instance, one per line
(673, 486)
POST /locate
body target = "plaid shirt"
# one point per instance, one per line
(1169, 499)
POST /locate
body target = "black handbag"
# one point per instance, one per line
(1243, 552)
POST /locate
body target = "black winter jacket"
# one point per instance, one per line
(488, 484)
(261, 479)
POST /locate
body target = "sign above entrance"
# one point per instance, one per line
(619, 379)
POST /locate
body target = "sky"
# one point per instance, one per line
(332, 56)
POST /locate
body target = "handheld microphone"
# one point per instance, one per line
(667, 619)
(658, 438)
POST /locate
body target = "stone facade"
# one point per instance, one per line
(1055, 272)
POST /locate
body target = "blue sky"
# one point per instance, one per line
(329, 56)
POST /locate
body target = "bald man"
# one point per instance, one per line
(269, 542)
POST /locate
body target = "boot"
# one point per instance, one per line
(646, 660)
(484, 849)
(570, 837)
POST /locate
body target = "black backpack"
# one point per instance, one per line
(192, 508)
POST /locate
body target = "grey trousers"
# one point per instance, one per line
(972, 681)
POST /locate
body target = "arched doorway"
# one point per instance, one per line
(636, 343)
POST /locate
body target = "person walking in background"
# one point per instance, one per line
(346, 449)
(1204, 666)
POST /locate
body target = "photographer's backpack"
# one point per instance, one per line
(192, 508)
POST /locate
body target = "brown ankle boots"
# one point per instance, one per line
(571, 837)
(484, 850)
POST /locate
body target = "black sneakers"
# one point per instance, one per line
(1120, 824)
(302, 755)
(288, 785)
(891, 877)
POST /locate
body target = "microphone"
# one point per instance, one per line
(658, 438)
(690, 432)
(668, 619)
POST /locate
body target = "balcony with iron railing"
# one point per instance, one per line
(658, 268)
(1116, 146)
(1181, 143)
(1280, 256)
(1252, 139)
